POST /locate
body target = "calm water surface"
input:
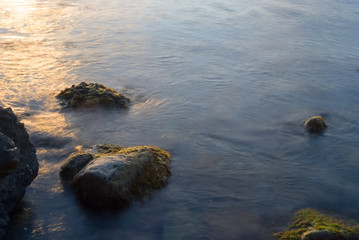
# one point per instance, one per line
(225, 86)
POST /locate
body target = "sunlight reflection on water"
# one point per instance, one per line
(224, 86)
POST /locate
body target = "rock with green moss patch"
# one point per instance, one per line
(309, 224)
(112, 176)
(92, 94)
(315, 124)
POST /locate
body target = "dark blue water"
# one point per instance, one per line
(225, 86)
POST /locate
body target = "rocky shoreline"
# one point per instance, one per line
(111, 176)
(19, 164)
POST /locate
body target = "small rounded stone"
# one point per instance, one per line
(315, 124)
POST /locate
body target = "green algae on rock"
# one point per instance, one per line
(92, 94)
(309, 224)
(315, 124)
(112, 176)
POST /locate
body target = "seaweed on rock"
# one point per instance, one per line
(112, 176)
(309, 224)
(92, 94)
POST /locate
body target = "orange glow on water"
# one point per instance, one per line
(33, 63)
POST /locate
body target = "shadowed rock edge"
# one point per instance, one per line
(12, 186)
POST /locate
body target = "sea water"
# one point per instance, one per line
(225, 86)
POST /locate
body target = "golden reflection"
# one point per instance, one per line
(33, 64)
(53, 123)
(57, 189)
(79, 148)
(42, 229)
(47, 167)
(21, 7)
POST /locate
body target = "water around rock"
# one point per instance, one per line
(111, 176)
(18, 164)
(92, 94)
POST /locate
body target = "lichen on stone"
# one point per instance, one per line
(92, 94)
(310, 224)
(106, 149)
(315, 124)
(112, 176)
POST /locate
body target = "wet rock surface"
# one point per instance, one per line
(315, 124)
(9, 155)
(92, 94)
(111, 176)
(318, 235)
(18, 164)
(310, 224)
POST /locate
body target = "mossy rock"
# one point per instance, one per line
(315, 124)
(92, 94)
(309, 224)
(112, 176)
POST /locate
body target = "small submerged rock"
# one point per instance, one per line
(92, 94)
(309, 224)
(111, 176)
(315, 124)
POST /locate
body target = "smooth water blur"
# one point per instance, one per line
(225, 86)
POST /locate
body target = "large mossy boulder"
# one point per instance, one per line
(18, 164)
(111, 176)
(309, 224)
(92, 94)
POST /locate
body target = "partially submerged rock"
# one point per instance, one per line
(111, 176)
(18, 164)
(315, 124)
(309, 224)
(92, 94)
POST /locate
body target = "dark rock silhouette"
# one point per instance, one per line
(9, 155)
(19, 165)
